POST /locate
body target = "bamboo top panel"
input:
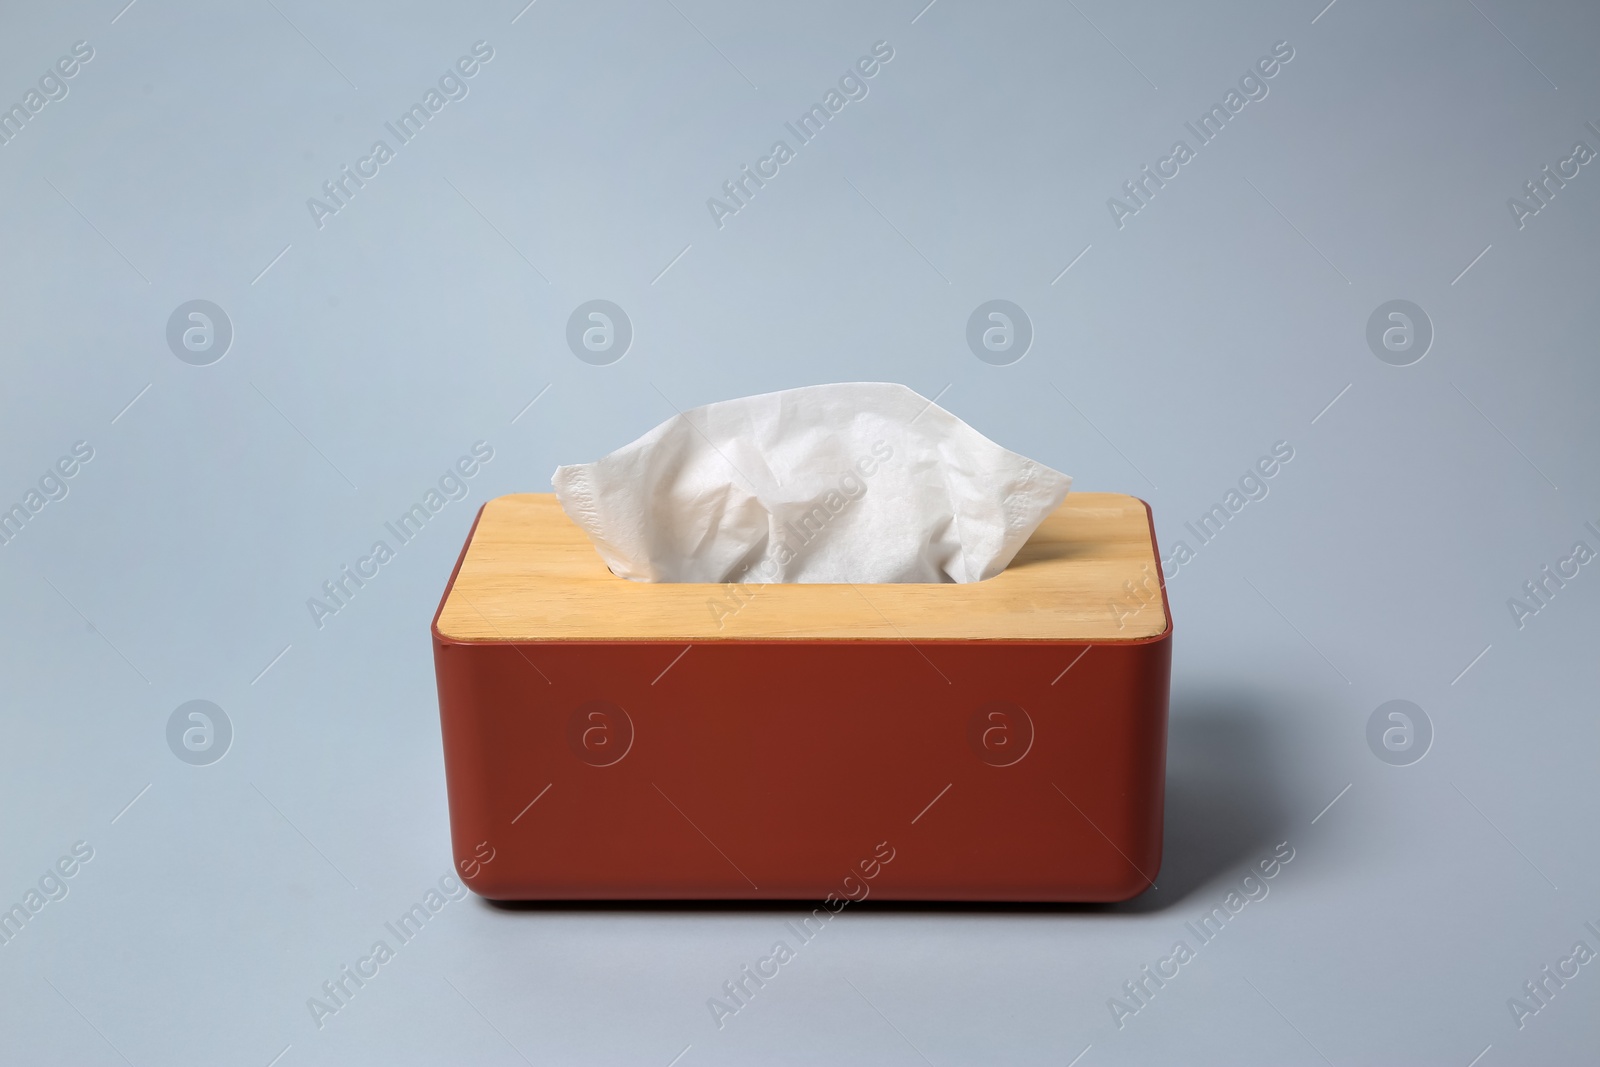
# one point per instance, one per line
(1089, 573)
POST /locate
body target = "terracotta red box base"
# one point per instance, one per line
(1000, 741)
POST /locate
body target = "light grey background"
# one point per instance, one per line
(1226, 316)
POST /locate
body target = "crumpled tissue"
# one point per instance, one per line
(853, 482)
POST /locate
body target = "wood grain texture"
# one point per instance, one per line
(530, 574)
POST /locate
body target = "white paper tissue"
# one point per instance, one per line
(855, 482)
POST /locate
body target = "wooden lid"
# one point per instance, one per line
(1089, 573)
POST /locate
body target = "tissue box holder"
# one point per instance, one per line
(1001, 740)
